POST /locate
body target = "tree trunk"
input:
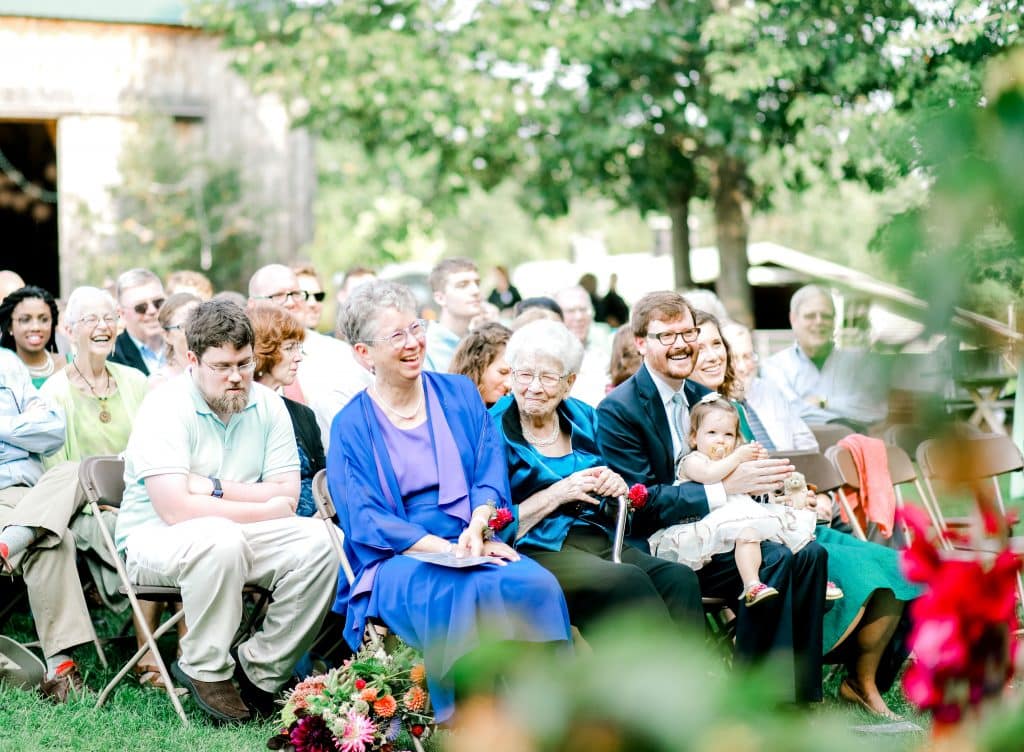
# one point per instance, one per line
(730, 191)
(679, 213)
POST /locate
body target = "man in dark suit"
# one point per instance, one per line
(141, 345)
(643, 431)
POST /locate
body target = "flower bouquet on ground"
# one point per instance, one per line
(376, 700)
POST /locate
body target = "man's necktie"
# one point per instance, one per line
(680, 423)
(757, 427)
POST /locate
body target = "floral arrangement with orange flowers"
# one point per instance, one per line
(375, 702)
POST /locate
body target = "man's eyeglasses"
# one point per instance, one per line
(141, 308)
(547, 379)
(281, 297)
(417, 330)
(318, 296)
(668, 339)
(175, 328)
(92, 320)
(225, 369)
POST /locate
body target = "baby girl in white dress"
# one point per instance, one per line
(741, 523)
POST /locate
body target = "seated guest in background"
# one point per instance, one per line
(616, 311)
(504, 295)
(481, 357)
(188, 281)
(278, 349)
(353, 277)
(824, 383)
(329, 375)
(309, 281)
(864, 631)
(173, 314)
(99, 399)
(9, 282)
(625, 360)
(455, 283)
(34, 515)
(139, 295)
(211, 486)
(643, 425)
(772, 419)
(417, 467)
(534, 309)
(559, 481)
(28, 324)
(592, 379)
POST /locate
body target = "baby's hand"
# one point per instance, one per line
(747, 452)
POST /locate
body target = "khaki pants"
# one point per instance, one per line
(211, 559)
(49, 564)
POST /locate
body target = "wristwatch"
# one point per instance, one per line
(218, 490)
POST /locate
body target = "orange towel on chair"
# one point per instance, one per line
(876, 500)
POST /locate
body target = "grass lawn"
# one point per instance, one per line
(142, 720)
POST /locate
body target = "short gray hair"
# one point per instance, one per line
(545, 338)
(135, 278)
(357, 317)
(81, 297)
(807, 292)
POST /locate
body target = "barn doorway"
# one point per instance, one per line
(28, 201)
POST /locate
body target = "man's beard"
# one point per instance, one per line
(229, 404)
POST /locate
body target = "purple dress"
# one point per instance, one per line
(440, 610)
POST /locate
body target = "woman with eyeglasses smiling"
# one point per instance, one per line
(560, 484)
(278, 352)
(415, 467)
(173, 314)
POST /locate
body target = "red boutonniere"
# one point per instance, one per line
(637, 496)
(500, 520)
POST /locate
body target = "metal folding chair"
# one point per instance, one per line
(901, 470)
(975, 463)
(102, 478)
(326, 511)
(829, 434)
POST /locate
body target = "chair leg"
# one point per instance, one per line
(848, 510)
(150, 646)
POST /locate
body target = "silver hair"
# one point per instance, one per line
(545, 338)
(807, 292)
(81, 297)
(357, 317)
(136, 278)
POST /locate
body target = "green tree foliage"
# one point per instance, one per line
(652, 103)
(965, 244)
(175, 208)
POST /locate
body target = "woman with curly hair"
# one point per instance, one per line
(481, 356)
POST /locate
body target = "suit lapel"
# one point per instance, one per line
(656, 417)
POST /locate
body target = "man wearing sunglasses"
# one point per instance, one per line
(329, 375)
(140, 293)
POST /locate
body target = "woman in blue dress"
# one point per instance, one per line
(415, 466)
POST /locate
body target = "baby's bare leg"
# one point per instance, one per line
(748, 556)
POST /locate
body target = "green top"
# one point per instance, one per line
(166, 12)
(87, 436)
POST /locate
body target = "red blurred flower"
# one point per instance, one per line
(360, 683)
(500, 520)
(637, 496)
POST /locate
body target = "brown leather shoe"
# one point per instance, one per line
(60, 688)
(219, 699)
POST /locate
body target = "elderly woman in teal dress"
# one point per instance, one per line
(415, 466)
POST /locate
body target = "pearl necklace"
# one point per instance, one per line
(383, 403)
(38, 372)
(537, 441)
